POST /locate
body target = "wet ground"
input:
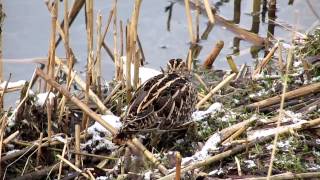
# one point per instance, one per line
(27, 31)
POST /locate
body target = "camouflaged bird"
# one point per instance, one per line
(163, 103)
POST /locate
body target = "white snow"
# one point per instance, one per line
(211, 144)
(98, 133)
(145, 73)
(12, 84)
(216, 172)
(199, 115)
(41, 98)
(250, 163)
(147, 175)
(283, 145)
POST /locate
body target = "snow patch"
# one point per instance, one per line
(214, 108)
(250, 163)
(211, 144)
(145, 73)
(41, 98)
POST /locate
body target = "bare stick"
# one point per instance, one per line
(39, 149)
(312, 88)
(72, 166)
(209, 11)
(215, 89)
(213, 55)
(77, 145)
(232, 64)
(285, 83)
(178, 166)
(189, 19)
(265, 61)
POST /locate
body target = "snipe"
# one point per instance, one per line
(163, 103)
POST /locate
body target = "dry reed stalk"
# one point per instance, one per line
(10, 137)
(209, 11)
(72, 166)
(243, 147)
(189, 59)
(75, 8)
(197, 21)
(232, 64)
(103, 109)
(62, 155)
(143, 58)
(128, 63)
(201, 82)
(62, 103)
(213, 55)
(312, 88)
(2, 16)
(265, 61)
(238, 166)
(215, 89)
(3, 92)
(77, 145)
(121, 39)
(2, 131)
(189, 20)
(285, 84)
(97, 63)
(52, 50)
(178, 166)
(289, 175)
(134, 142)
(85, 154)
(241, 72)
(235, 135)
(115, 43)
(241, 32)
(133, 35)
(280, 62)
(39, 150)
(49, 117)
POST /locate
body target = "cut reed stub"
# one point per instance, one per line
(213, 55)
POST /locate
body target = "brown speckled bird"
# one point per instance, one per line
(161, 104)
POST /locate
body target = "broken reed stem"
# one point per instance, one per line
(52, 50)
(312, 88)
(3, 92)
(10, 137)
(213, 55)
(98, 55)
(178, 166)
(134, 142)
(232, 64)
(77, 145)
(39, 150)
(133, 32)
(209, 11)
(121, 40)
(215, 89)
(197, 21)
(189, 20)
(285, 84)
(49, 117)
(2, 130)
(201, 82)
(115, 43)
(289, 175)
(189, 60)
(103, 109)
(265, 61)
(72, 166)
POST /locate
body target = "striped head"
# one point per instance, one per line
(176, 66)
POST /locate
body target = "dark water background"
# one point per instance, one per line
(27, 31)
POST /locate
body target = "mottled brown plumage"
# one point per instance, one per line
(163, 103)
